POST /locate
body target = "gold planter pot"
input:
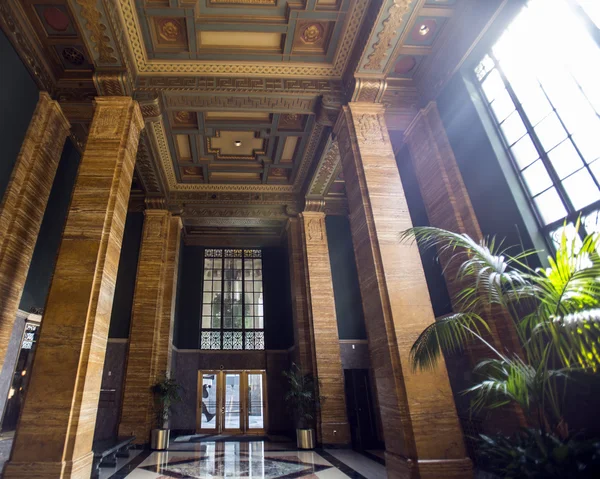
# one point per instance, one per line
(160, 439)
(305, 438)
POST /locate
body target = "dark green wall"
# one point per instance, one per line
(484, 179)
(123, 301)
(346, 290)
(440, 299)
(277, 297)
(18, 97)
(46, 248)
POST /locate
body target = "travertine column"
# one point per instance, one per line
(23, 206)
(449, 207)
(303, 355)
(421, 429)
(56, 429)
(152, 317)
(333, 425)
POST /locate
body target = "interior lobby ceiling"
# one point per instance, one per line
(239, 97)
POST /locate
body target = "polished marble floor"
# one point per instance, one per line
(244, 459)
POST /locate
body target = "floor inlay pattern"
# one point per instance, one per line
(230, 460)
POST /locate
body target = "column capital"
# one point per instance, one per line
(368, 90)
(155, 203)
(314, 206)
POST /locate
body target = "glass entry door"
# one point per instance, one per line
(231, 402)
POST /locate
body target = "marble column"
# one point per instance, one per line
(152, 319)
(23, 206)
(422, 434)
(56, 429)
(333, 424)
(303, 355)
(448, 206)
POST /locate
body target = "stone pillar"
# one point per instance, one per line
(56, 429)
(449, 207)
(333, 425)
(303, 355)
(421, 429)
(23, 206)
(152, 318)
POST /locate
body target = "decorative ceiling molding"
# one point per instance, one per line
(387, 31)
(335, 70)
(147, 168)
(233, 84)
(18, 31)
(327, 170)
(284, 104)
(92, 17)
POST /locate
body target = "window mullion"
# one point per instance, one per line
(569, 135)
(222, 325)
(243, 279)
(590, 26)
(536, 141)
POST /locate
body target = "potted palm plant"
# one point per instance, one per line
(166, 393)
(556, 314)
(303, 399)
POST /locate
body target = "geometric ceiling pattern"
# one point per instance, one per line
(250, 147)
(239, 97)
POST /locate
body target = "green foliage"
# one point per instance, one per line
(556, 314)
(535, 454)
(166, 394)
(302, 397)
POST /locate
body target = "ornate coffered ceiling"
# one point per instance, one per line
(240, 96)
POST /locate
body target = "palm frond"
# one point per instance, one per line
(487, 271)
(448, 334)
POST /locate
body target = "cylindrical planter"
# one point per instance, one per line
(160, 439)
(305, 438)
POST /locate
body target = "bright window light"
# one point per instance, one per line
(541, 80)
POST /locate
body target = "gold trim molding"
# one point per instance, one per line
(143, 65)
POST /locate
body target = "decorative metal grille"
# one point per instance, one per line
(232, 300)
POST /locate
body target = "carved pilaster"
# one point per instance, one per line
(23, 206)
(449, 207)
(55, 432)
(151, 322)
(333, 426)
(421, 429)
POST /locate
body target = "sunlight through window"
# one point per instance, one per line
(541, 81)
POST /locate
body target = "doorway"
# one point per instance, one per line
(231, 402)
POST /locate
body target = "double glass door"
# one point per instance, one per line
(232, 402)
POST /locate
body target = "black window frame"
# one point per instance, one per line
(573, 214)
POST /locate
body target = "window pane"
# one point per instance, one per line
(595, 167)
(550, 132)
(493, 86)
(503, 106)
(536, 106)
(513, 128)
(588, 143)
(581, 189)
(565, 159)
(550, 206)
(524, 152)
(536, 178)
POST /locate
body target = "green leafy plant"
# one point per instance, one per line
(534, 454)
(166, 394)
(302, 396)
(555, 312)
